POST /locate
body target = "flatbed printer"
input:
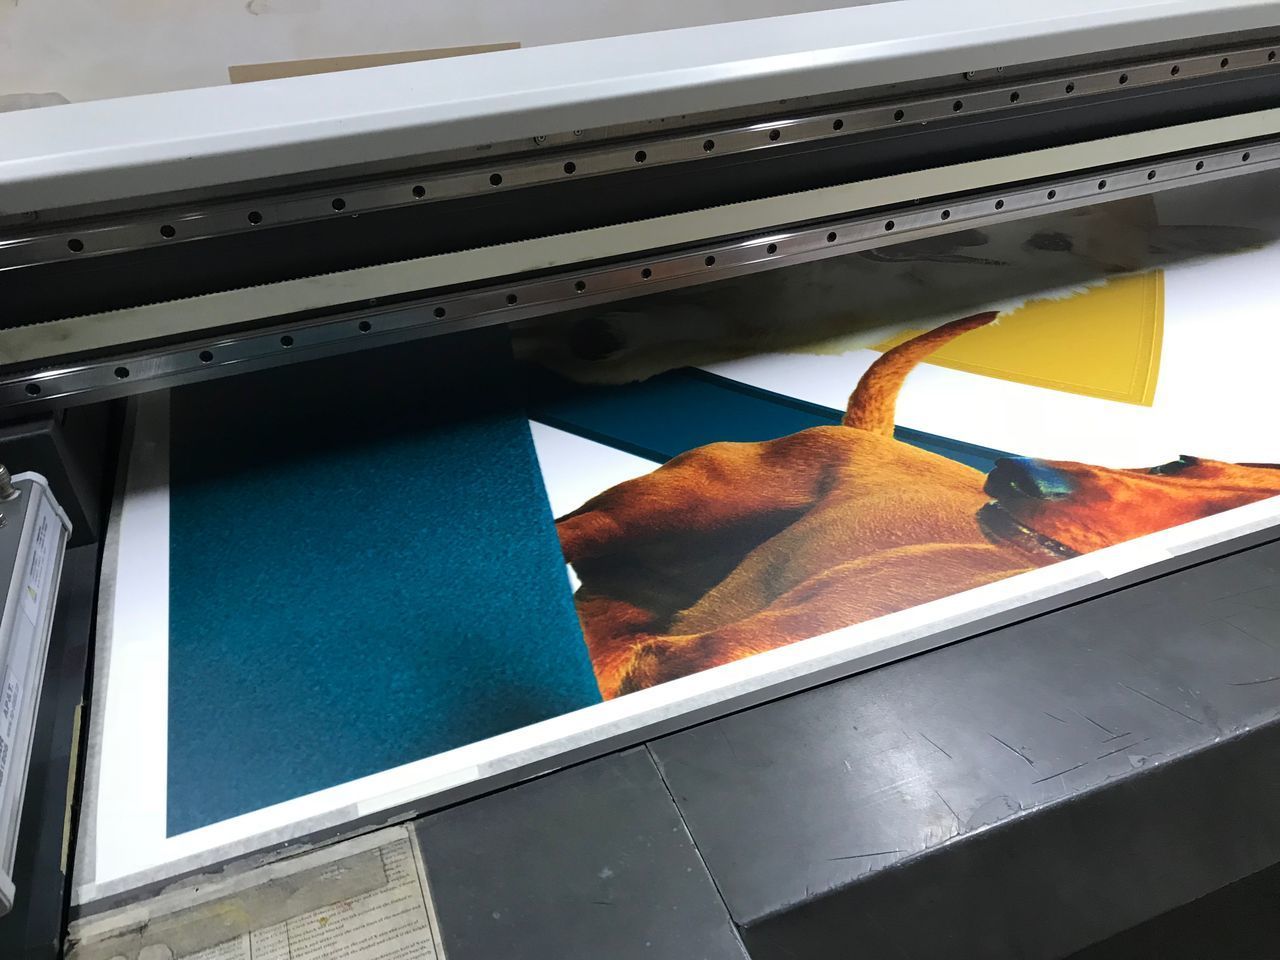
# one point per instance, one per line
(304, 278)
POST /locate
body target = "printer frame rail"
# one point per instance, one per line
(90, 261)
(370, 320)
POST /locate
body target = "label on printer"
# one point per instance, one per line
(38, 567)
(10, 706)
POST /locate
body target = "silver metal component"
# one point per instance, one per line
(31, 551)
(500, 303)
(176, 224)
(7, 490)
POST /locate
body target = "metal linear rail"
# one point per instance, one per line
(576, 287)
(136, 147)
(176, 224)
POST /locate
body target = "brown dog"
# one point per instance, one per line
(736, 548)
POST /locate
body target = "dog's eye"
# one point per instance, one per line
(1175, 466)
(1055, 242)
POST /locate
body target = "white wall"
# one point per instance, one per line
(92, 49)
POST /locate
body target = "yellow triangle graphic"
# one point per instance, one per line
(1103, 342)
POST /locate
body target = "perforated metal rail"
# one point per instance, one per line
(375, 325)
(177, 224)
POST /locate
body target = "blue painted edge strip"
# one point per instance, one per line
(662, 417)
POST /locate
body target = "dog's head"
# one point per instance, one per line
(1052, 509)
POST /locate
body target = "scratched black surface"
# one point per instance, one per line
(1024, 793)
(591, 862)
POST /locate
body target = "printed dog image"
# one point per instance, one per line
(733, 549)
(858, 299)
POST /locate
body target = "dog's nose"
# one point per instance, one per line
(1027, 477)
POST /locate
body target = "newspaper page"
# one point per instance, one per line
(363, 899)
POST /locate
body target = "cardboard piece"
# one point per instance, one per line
(251, 72)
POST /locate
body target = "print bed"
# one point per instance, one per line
(557, 558)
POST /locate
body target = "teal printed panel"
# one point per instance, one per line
(359, 578)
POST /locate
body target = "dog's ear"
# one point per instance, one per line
(1179, 241)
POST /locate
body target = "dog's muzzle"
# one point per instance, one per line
(1001, 527)
(1026, 477)
(1023, 478)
